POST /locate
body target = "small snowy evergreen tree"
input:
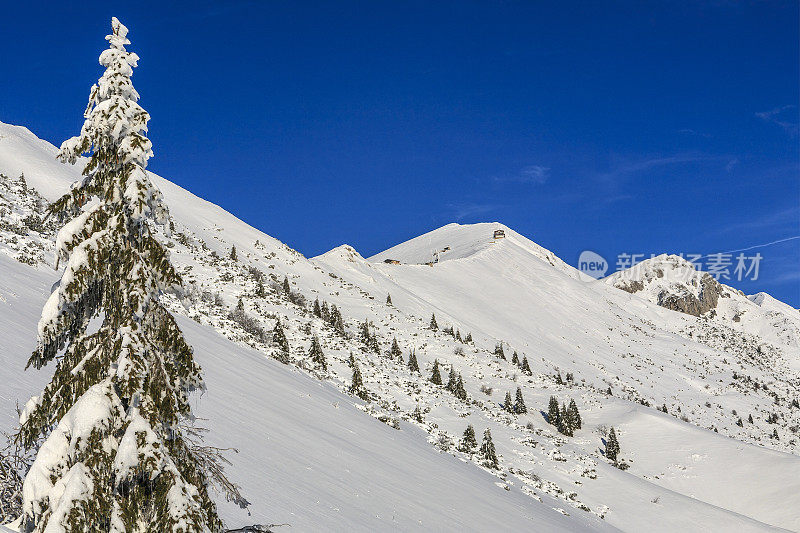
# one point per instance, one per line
(357, 384)
(515, 358)
(388, 299)
(526, 368)
(233, 256)
(396, 352)
(460, 392)
(612, 446)
(317, 309)
(574, 415)
(487, 451)
(508, 403)
(115, 457)
(436, 377)
(564, 426)
(316, 354)
(519, 403)
(287, 288)
(413, 366)
(433, 325)
(468, 441)
(280, 340)
(553, 413)
(452, 380)
(261, 292)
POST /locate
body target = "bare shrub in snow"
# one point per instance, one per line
(248, 323)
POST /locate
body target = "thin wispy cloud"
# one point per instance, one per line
(534, 174)
(626, 168)
(788, 219)
(731, 164)
(694, 133)
(783, 116)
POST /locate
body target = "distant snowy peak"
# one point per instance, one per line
(22, 152)
(674, 283)
(343, 252)
(461, 241)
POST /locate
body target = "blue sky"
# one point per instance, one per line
(626, 127)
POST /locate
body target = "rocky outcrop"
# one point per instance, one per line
(687, 302)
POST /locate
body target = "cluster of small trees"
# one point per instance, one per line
(487, 452)
(330, 315)
(516, 406)
(565, 419)
(413, 365)
(523, 365)
(248, 323)
(570, 379)
(368, 338)
(456, 334)
(285, 289)
(395, 352)
(499, 352)
(456, 385)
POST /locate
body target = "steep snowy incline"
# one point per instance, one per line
(606, 338)
(307, 456)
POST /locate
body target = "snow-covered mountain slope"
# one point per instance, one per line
(307, 455)
(673, 282)
(456, 241)
(314, 456)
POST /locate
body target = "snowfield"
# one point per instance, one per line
(316, 457)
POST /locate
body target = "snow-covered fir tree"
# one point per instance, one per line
(114, 456)
(279, 339)
(553, 413)
(396, 352)
(563, 422)
(357, 383)
(574, 415)
(487, 451)
(413, 365)
(508, 403)
(468, 442)
(316, 354)
(519, 403)
(452, 380)
(460, 392)
(526, 367)
(233, 256)
(436, 376)
(433, 325)
(612, 445)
